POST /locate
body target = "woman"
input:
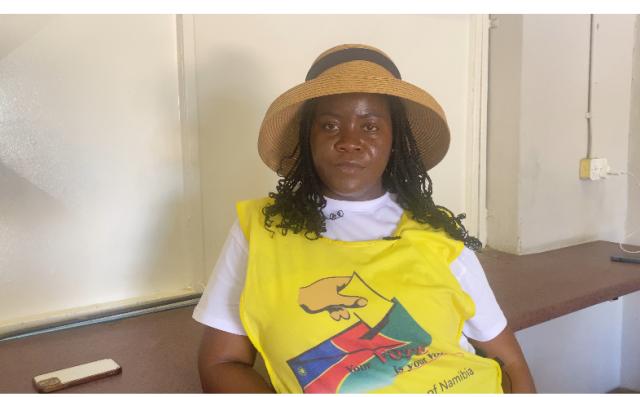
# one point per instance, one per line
(349, 278)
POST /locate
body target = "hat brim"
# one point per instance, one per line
(278, 137)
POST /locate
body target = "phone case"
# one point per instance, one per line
(83, 373)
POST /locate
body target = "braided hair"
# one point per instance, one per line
(299, 200)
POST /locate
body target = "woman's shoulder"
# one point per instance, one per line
(255, 201)
(250, 210)
(253, 205)
(430, 238)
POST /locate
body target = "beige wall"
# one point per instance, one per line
(104, 118)
(631, 342)
(537, 134)
(579, 352)
(244, 62)
(631, 314)
(537, 130)
(633, 222)
(91, 174)
(503, 137)
(107, 121)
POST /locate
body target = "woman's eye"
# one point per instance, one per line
(370, 127)
(330, 126)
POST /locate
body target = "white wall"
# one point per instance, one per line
(537, 130)
(91, 174)
(574, 353)
(101, 127)
(503, 137)
(633, 220)
(630, 370)
(537, 133)
(240, 73)
(630, 376)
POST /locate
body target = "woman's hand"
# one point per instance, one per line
(504, 348)
(225, 363)
(324, 294)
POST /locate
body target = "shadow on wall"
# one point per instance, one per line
(164, 260)
(20, 196)
(18, 29)
(30, 241)
(91, 178)
(51, 255)
(26, 214)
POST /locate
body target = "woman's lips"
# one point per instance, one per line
(349, 167)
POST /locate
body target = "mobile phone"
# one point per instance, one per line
(83, 373)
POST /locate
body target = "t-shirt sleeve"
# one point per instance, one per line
(488, 320)
(219, 305)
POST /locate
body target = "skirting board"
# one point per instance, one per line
(70, 318)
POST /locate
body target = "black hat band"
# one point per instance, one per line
(351, 54)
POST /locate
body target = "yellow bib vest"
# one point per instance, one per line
(381, 316)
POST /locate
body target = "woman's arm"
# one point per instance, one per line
(505, 349)
(225, 363)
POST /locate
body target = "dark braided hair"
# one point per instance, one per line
(299, 200)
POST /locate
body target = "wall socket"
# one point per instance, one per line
(594, 168)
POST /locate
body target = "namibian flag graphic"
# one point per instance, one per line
(361, 358)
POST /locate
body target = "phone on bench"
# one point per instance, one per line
(83, 373)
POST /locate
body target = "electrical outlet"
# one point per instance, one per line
(593, 169)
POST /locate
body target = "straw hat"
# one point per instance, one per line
(345, 69)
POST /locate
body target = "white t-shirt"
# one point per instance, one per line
(346, 221)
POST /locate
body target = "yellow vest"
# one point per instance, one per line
(381, 316)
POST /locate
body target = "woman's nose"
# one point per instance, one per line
(349, 140)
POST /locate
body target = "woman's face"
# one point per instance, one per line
(350, 144)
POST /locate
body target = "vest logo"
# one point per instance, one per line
(335, 215)
(368, 355)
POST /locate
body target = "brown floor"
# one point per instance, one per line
(157, 353)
